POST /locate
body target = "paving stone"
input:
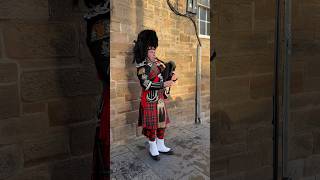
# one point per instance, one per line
(127, 166)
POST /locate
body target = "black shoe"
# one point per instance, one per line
(170, 152)
(156, 158)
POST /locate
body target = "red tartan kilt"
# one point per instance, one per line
(149, 115)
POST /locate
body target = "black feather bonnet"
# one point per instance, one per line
(146, 38)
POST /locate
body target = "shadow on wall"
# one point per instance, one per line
(77, 87)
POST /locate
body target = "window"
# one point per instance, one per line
(204, 18)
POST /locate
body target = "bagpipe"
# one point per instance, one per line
(167, 74)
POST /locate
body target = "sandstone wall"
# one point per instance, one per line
(241, 93)
(304, 124)
(48, 92)
(241, 89)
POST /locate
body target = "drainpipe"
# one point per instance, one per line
(198, 86)
(189, 15)
(275, 97)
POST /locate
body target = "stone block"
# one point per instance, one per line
(316, 142)
(72, 169)
(310, 84)
(25, 9)
(304, 100)
(245, 114)
(261, 64)
(26, 40)
(312, 68)
(82, 138)
(303, 121)
(46, 84)
(11, 161)
(234, 44)
(34, 173)
(261, 150)
(264, 173)
(230, 137)
(9, 101)
(261, 86)
(297, 82)
(243, 162)
(229, 150)
(8, 72)
(72, 110)
(48, 147)
(231, 90)
(9, 131)
(33, 125)
(311, 167)
(33, 107)
(295, 168)
(66, 9)
(233, 66)
(300, 146)
(259, 133)
(124, 132)
(236, 16)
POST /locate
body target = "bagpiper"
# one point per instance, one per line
(156, 77)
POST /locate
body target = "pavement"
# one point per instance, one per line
(191, 161)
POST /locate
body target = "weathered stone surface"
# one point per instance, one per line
(124, 132)
(72, 169)
(304, 100)
(82, 138)
(8, 72)
(261, 150)
(295, 168)
(229, 137)
(264, 173)
(24, 40)
(260, 133)
(231, 90)
(33, 107)
(228, 150)
(53, 145)
(34, 173)
(10, 131)
(9, 101)
(311, 167)
(242, 162)
(234, 44)
(25, 9)
(303, 121)
(11, 161)
(236, 16)
(72, 110)
(310, 85)
(43, 85)
(244, 114)
(261, 86)
(300, 146)
(66, 9)
(316, 142)
(297, 82)
(33, 125)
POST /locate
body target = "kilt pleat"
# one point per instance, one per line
(148, 115)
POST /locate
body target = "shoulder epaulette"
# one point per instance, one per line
(143, 63)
